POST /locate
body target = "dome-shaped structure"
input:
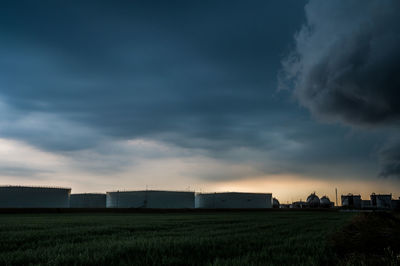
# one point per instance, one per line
(275, 203)
(325, 202)
(313, 200)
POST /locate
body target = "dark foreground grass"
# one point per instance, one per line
(230, 238)
(368, 239)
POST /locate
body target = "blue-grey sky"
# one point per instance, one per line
(100, 95)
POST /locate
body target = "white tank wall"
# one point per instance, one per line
(383, 201)
(346, 199)
(34, 197)
(234, 200)
(150, 199)
(88, 200)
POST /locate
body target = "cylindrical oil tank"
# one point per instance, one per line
(275, 203)
(234, 200)
(34, 197)
(384, 201)
(88, 200)
(325, 202)
(313, 200)
(154, 199)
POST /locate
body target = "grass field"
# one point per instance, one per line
(227, 238)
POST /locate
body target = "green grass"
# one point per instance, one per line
(226, 238)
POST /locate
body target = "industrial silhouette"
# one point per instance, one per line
(56, 197)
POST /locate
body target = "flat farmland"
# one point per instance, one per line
(162, 238)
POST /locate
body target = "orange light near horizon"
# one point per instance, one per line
(289, 188)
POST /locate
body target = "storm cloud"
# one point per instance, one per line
(197, 75)
(345, 67)
(194, 81)
(345, 64)
(389, 158)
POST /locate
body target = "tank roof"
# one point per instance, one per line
(252, 193)
(167, 191)
(37, 187)
(88, 194)
(312, 196)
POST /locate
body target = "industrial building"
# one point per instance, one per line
(377, 201)
(351, 201)
(313, 201)
(234, 200)
(87, 200)
(154, 199)
(34, 197)
(381, 201)
(299, 205)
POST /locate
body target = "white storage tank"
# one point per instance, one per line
(325, 202)
(351, 201)
(313, 201)
(234, 200)
(155, 199)
(383, 201)
(88, 200)
(34, 197)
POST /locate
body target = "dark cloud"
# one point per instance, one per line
(192, 74)
(77, 78)
(345, 65)
(389, 159)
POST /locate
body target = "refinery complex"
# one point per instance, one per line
(56, 197)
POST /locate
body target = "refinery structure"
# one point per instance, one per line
(56, 197)
(376, 201)
(313, 201)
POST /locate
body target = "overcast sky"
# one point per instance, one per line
(287, 97)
